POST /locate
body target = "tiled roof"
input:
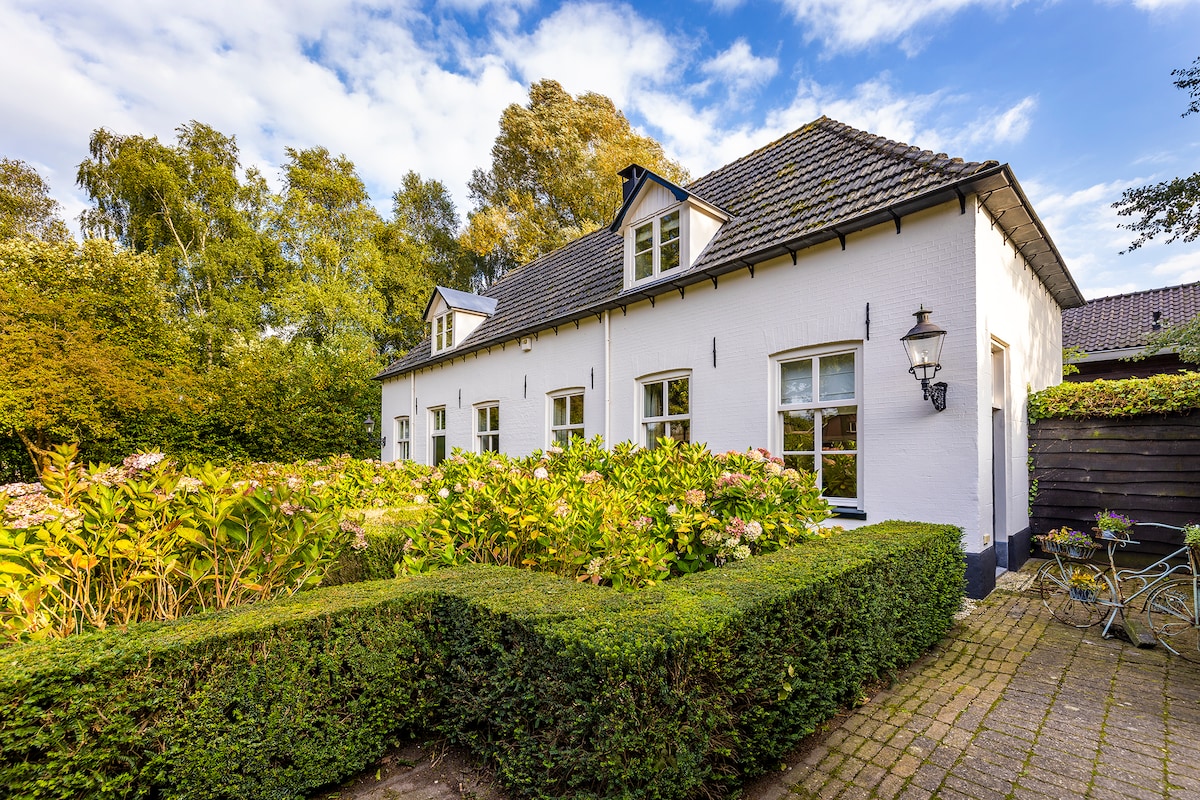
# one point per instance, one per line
(820, 182)
(1127, 320)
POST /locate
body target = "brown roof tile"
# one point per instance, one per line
(1127, 320)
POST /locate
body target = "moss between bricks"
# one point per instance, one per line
(568, 689)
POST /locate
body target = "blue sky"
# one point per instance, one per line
(1076, 95)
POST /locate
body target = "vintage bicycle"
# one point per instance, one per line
(1080, 593)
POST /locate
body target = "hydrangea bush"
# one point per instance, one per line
(626, 517)
(90, 547)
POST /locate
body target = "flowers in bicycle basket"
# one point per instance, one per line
(1083, 585)
(1083, 579)
(1069, 538)
(1112, 525)
(1075, 544)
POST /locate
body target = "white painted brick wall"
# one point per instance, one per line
(916, 463)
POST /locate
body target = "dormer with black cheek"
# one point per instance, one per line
(665, 227)
(454, 315)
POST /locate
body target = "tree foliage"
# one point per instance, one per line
(26, 207)
(553, 176)
(328, 235)
(1169, 207)
(86, 349)
(186, 205)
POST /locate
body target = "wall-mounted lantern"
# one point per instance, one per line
(923, 344)
(369, 424)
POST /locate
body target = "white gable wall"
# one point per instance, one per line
(1018, 312)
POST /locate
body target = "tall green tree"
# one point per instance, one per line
(26, 207)
(86, 350)
(329, 237)
(1169, 207)
(553, 176)
(185, 204)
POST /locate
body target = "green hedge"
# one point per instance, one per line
(1157, 394)
(568, 689)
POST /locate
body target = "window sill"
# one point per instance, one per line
(849, 513)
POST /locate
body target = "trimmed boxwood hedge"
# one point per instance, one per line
(568, 689)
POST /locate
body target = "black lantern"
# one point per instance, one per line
(923, 344)
(369, 424)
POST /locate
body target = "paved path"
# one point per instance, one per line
(1015, 705)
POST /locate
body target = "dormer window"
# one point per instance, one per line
(454, 315)
(443, 332)
(656, 246)
(665, 227)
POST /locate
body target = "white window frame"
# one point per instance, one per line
(487, 427)
(402, 438)
(820, 410)
(666, 418)
(443, 332)
(656, 243)
(561, 435)
(437, 414)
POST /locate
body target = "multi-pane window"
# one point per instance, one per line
(656, 246)
(437, 435)
(403, 439)
(443, 331)
(566, 418)
(666, 410)
(487, 428)
(818, 407)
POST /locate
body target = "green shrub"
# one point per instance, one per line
(679, 690)
(627, 517)
(1158, 394)
(145, 540)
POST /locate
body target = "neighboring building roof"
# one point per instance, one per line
(463, 301)
(1126, 321)
(816, 184)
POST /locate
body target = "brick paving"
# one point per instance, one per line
(1013, 706)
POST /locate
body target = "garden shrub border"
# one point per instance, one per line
(566, 688)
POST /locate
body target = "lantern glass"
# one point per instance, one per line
(369, 424)
(923, 345)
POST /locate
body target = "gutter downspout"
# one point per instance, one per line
(412, 413)
(608, 379)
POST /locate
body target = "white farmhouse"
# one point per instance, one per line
(763, 305)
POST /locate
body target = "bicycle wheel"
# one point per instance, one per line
(1053, 585)
(1171, 614)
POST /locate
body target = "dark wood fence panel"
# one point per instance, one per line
(1147, 468)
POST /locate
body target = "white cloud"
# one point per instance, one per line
(739, 69)
(596, 47)
(1158, 5)
(1179, 268)
(855, 24)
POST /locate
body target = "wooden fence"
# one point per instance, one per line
(1147, 468)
